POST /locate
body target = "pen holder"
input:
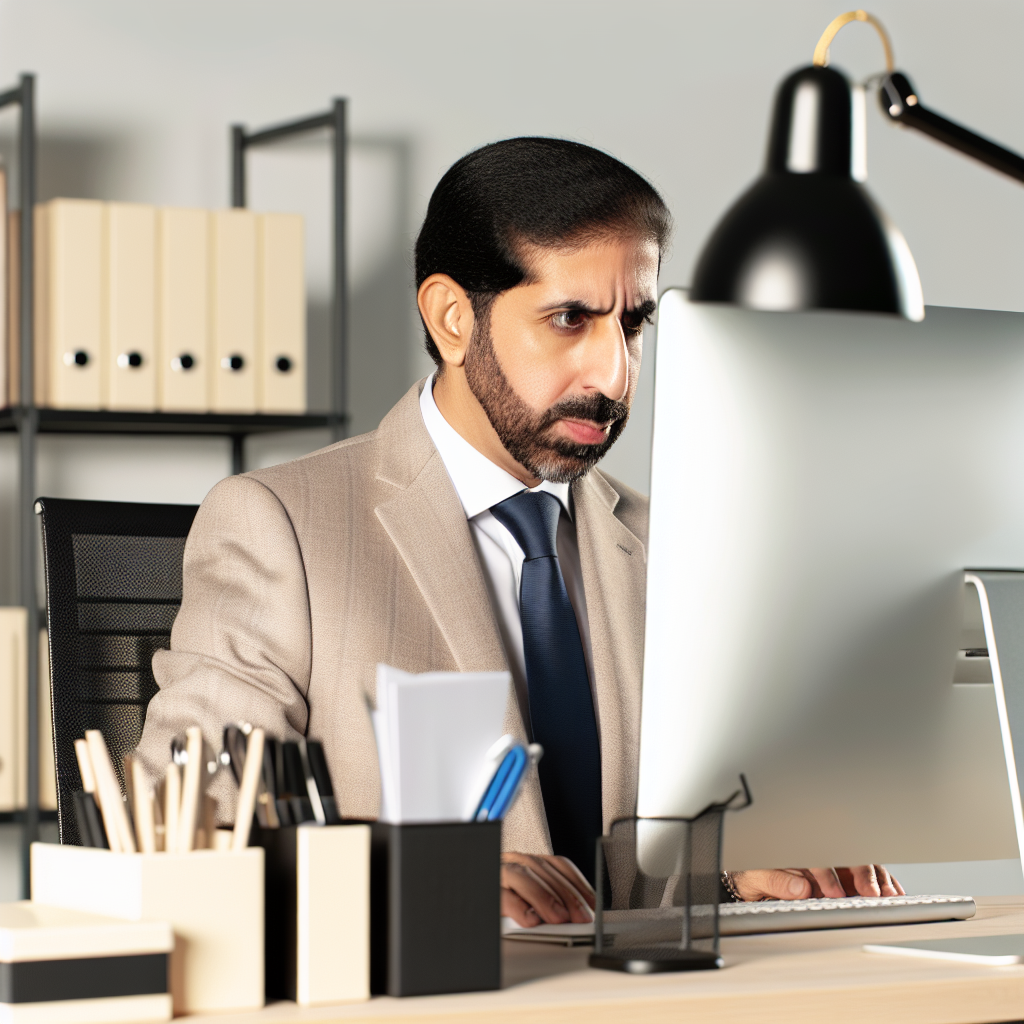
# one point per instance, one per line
(212, 900)
(435, 919)
(658, 894)
(317, 912)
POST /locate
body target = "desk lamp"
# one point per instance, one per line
(806, 234)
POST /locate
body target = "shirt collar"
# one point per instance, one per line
(478, 482)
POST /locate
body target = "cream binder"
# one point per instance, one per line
(12, 706)
(281, 377)
(13, 298)
(183, 310)
(69, 280)
(129, 350)
(233, 311)
(5, 364)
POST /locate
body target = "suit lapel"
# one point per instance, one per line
(614, 565)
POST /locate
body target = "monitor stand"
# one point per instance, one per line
(1001, 596)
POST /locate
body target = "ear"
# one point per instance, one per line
(448, 314)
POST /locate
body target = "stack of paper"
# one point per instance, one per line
(434, 733)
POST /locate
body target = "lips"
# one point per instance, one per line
(582, 432)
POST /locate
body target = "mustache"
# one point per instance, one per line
(596, 408)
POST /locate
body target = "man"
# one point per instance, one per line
(470, 531)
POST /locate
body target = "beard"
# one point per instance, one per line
(530, 437)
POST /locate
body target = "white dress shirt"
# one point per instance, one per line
(480, 484)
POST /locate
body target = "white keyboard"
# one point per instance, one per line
(842, 912)
(786, 916)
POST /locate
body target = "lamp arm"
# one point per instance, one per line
(900, 103)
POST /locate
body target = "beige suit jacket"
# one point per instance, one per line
(299, 579)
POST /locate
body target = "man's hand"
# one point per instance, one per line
(538, 888)
(803, 883)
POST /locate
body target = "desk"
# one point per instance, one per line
(791, 978)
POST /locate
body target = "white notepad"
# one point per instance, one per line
(434, 732)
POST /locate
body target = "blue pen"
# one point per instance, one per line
(483, 810)
(511, 785)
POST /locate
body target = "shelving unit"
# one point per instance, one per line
(29, 420)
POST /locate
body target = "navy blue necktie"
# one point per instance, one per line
(561, 705)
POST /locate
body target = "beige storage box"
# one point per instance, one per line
(212, 900)
(59, 965)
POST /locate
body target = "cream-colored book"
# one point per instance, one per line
(183, 305)
(47, 761)
(13, 674)
(281, 374)
(233, 311)
(15, 619)
(129, 349)
(70, 244)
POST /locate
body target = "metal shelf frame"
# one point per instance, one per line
(336, 121)
(29, 420)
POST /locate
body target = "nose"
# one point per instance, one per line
(606, 360)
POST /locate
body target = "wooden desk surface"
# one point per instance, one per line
(790, 978)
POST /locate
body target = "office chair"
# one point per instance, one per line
(113, 588)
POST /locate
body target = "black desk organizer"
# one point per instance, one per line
(435, 908)
(659, 890)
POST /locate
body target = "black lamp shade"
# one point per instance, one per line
(806, 234)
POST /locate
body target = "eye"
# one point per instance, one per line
(633, 323)
(568, 320)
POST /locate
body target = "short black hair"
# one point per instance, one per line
(540, 191)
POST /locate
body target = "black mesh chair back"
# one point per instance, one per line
(113, 588)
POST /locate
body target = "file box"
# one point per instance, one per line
(318, 912)
(435, 910)
(65, 965)
(212, 900)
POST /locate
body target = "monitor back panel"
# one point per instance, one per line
(819, 483)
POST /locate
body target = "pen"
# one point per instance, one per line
(510, 787)
(483, 811)
(311, 787)
(87, 810)
(318, 764)
(145, 819)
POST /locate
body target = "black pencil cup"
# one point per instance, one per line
(435, 908)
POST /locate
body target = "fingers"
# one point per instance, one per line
(865, 880)
(574, 877)
(551, 885)
(827, 882)
(518, 909)
(886, 883)
(776, 884)
(519, 880)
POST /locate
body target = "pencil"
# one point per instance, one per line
(172, 807)
(115, 818)
(190, 789)
(247, 790)
(145, 824)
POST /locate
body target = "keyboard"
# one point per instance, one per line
(785, 916)
(841, 912)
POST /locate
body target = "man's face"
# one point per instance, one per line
(554, 362)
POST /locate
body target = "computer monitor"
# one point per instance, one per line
(820, 482)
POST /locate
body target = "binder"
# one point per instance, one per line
(13, 673)
(183, 306)
(5, 364)
(129, 350)
(69, 291)
(13, 347)
(281, 377)
(232, 370)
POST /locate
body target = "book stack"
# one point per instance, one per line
(140, 308)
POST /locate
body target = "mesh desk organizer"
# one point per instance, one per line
(113, 587)
(659, 890)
